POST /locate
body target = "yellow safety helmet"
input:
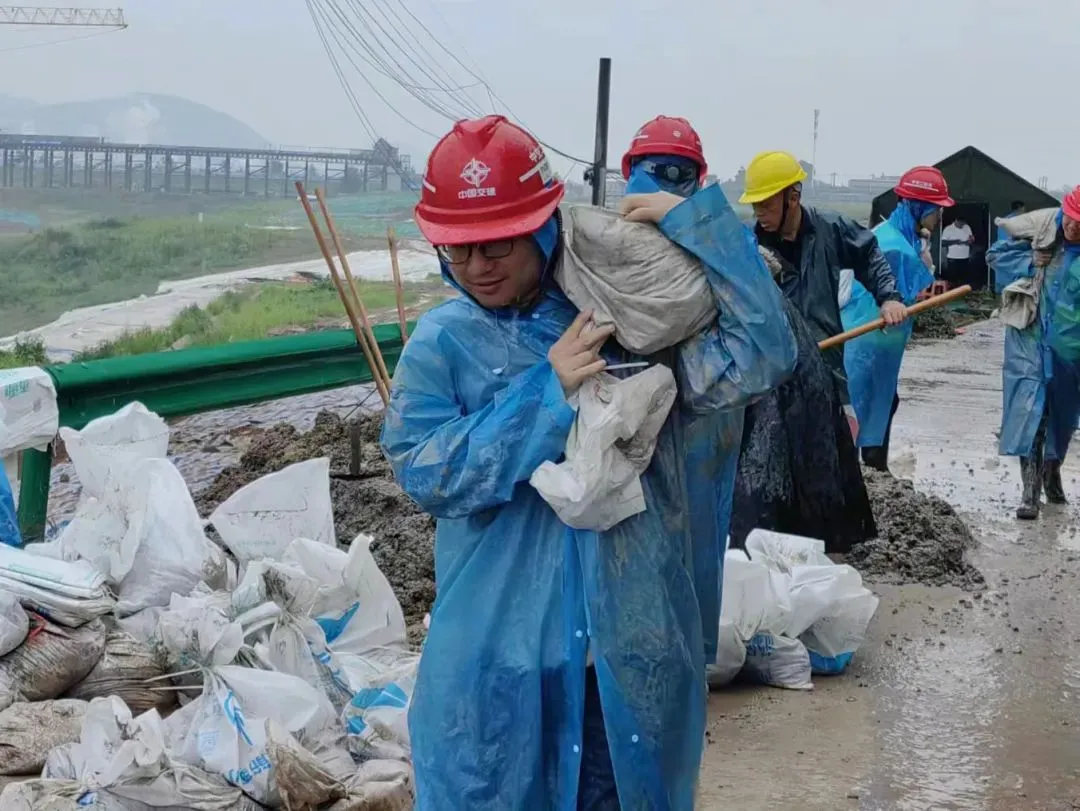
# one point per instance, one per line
(769, 173)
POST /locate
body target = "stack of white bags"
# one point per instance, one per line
(287, 652)
(788, 613)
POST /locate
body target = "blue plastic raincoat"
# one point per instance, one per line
(872, 361)
(496, 718)
(9, 522)
(712, 456)
(1041, 370)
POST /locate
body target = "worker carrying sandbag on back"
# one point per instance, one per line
(666, 155)
(564, 668)
(799, 471)
(872, 361)
(1037, 272)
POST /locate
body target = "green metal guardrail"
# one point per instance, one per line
(192, 381)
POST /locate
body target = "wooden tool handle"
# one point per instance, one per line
(914, 309)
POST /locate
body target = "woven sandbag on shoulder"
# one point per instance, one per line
(631, 275)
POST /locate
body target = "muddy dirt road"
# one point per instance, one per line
(959, 700)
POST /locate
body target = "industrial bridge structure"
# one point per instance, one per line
(70, 162)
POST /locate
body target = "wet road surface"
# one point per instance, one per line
(964, 701)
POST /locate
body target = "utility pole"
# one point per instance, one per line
(603, 105)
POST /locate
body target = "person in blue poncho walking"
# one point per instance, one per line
(1040, 265)
(666, 155)
(872, 362)
(563, 668)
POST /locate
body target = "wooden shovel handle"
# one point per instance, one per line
(914, 309)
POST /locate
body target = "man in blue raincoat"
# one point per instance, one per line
(666, 155)
(1040, 264)
(563, 668)
(872, 362)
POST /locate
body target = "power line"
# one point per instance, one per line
(59, 41)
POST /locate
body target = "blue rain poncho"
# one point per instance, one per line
(712, 448)
(1041, 370)
(9, 522)
(872, 361)
(496, 718)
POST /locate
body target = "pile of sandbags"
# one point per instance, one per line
(788, 613)
(288, 653)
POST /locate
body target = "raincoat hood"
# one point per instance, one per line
(906, 218)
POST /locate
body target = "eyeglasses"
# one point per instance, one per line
(460, 254)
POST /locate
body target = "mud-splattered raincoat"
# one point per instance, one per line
(496, 718)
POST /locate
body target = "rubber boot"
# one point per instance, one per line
(1055, 492)
(876, 458)
(1031, 475)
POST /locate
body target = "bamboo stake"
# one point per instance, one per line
(361, 338)
(914, 309)
(399, 290)
(358, 301)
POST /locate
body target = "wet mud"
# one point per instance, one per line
(920, 539)
(365, 497)
(934, 324)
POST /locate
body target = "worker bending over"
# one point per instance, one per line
(666, 155)
(1041, 372)
(563, 668)
(872, 362)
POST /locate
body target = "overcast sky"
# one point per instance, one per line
(897, 83)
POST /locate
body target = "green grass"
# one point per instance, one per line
(112, 259)
(251, 314)
(23, 353)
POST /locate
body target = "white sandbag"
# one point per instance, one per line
(376, 785)
(30, 730)
(125, 670)
(29, 415)
(782, 551)
(14, 623)
(833, 640)
(355, 605)
(815, 591)
(50, 661)
(377, 718)
(109, 446)
(746, 604)
(121, 761)
(223, 731)
(75, 579)
(297, 644)
(261, 519)
(146, 536)
(630, 275)
(777, 661)
(609, 447)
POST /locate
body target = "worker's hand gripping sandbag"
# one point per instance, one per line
(630, 275)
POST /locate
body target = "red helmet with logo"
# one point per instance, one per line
(925, 183)
(666, 135)
(1071, 204)
(487, 179)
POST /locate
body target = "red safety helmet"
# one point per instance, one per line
(666, 135)
(487, 179)
(1071, 204)
(925, 183)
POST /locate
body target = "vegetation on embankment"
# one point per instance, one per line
(28, 352)
(59, 269)
(253, 313)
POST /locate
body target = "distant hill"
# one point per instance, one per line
(139, 118)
